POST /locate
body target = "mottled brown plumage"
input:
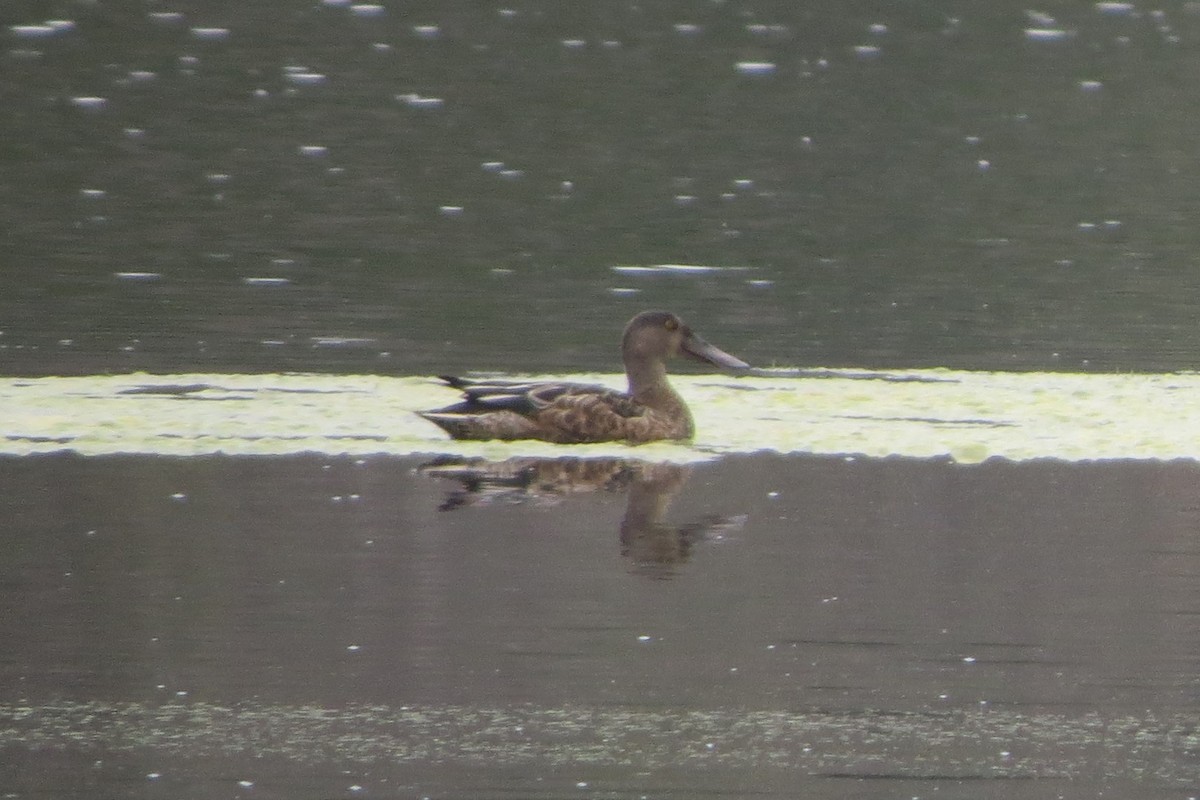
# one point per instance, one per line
(571, 413)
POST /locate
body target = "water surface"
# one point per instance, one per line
(756, 624)
(236, 565)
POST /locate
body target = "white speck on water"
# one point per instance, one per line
(354, 648)
(256, 281)
(153, 776)
(166, 17)
(1091, 86)
(450, 211)
(341, 341)
(142, 75)
(968, 659)
(414, 100)
(179, 496)
(1115, 9)
(755, 67)
(137, 276)
(89, 103)
(210, 34)
(866, 52)
(32, 31)
(93, 194)
(511, 174)
(878, 28)
(624, 291)
(181, 693)
(685, 199)
(1040, 18)
(367, 10)
(354, 787)
(189, 61)
(335, 3)
(972, 139)
(427, 31)
(581, 785)
(760, 283)
(645, 638)
(574, 44)
(1112, 224)
(687, 28)
(304, 78)
(313, 150)
(1046, 34)
(246, 784)
(507, 12)
(217, 177)
(983, 165)
(673, 269)
(772, 495)
(743, 183)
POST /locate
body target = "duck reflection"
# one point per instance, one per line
(653, 546)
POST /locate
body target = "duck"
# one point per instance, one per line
(572, 413)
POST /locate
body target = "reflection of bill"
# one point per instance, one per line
(652, 545)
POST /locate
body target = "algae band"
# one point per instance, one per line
(961, 415)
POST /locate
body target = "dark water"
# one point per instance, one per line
(915, 184)
(758, 625)
(279, 186)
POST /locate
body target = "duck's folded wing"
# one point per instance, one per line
(526, 398)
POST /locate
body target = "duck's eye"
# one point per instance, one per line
(671, 324)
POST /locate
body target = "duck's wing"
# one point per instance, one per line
(557, 412)
(530, 398)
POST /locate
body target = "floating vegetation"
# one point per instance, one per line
(964, 416)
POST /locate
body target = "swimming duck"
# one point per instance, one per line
(572, 413)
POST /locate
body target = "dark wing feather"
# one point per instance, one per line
(522, 397)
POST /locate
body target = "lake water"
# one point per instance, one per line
(885, 581)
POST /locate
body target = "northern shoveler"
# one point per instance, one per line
(572, 413)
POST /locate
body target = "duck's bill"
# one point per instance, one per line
(699, 349)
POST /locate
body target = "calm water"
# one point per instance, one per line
(912, 185)
(756, 625)
(414, 188)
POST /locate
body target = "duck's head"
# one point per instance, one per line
(654, 336)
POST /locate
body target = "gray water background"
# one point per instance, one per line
(914, 184)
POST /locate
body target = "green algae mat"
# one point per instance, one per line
(961, 415)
